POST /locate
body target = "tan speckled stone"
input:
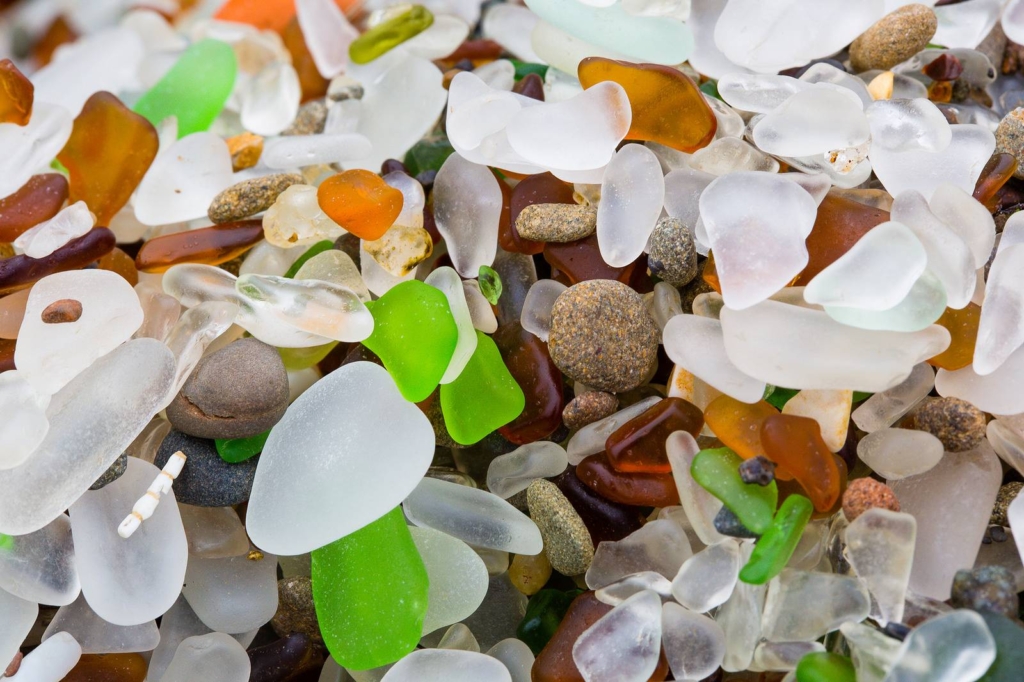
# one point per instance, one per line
(567, 541)
(894, 38)
(556, 222)
(1010, 138)
(589, 407)
(249, 197)
(867, 493)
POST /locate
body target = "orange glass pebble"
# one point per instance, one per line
(638, 446)
(642, 490)
(16, 94)
(245, 150)
(796, 443)
(311, 83)
(840, 224)
(58, 33)
(110, 149)
(963, 328)
(999, 169)
(208, 245)
(38, 199)
(109, 668)
(668, 108)
(119, 262)
(738, 425)
(361, 202)
(265, 14)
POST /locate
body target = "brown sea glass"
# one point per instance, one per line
(581, 260)
(58, 33)
(7, 354)
(527, 359)
(16, 94)
(840, 224)
(638, 446)
(642, 490)
(208, 245)
(530, 86)
(479, 51)
(997, 171)
(606, 520)
(38, 199)
(667, 106)
(312, 84)
(110, 149)
(19, 272)
(108, 668)
(542, 188)
(796, 443)
(963, 330)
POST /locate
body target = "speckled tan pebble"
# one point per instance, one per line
(556, 222)
(250, 197)
(62, 311)
(1010, 138)
(295, 611)
(588, 408)
(567, 541)
(894, 38)
(957, 423)
(866, 493)
(310, 120)
(1007, 494)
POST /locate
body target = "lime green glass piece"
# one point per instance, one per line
(6, 541)
(370, 593)
(428, 155)
(414, 335)
(773, 550)
(821, 666)
(490, 284)
(483, 398)
(235, 450)
(717, 471)
(301, 358)
(316, 249)
(389, 34)
(194, 90)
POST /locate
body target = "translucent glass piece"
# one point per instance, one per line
(837, 599)
(697, 344)
(536, 316)
(625, 643)
(183, 180)
(232, 595)
(512, 473)
(885, 408)
(447, 665)
(458, 577)
(900, 125)
(97, 636)
(707, 579)
(814, 121)
(880, 547)
(898, 453)
(632, 195)
(216, 655)
(952, 647)
(660, 546)
(467, 206)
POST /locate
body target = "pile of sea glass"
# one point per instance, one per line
(580, 340)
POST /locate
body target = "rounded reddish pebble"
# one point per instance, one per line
(867, 493)
(361, 202)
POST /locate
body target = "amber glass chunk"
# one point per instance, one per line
(120, 263)
(313, 85)
(109, 668)
(963, 328)
(638, 446)
(668, 108)
(840, 224)
(208, 245)
(581, 260)
(38, 199)
(737, 424)
(642, 490)
(58, 33)
(110, 149)
(527, 360)
(361, 202)
(16, 94)
(796, 443)
(542, 188)
(999, 169)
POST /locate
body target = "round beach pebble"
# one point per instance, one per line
(206, 480)
(295, 610)
(673, 255)
(957, 423)
(867, 493)
(310, 120)
(588, 408)
(986, 588)
(567, 541)
(556, 222)
(1010, 138)
(249, 197)
(239, 391)
(894, 38)
(113, 473)
(602, 335)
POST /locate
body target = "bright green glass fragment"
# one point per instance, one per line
(490, 284)
(717, 471)
(773, 550)
(370, 592)
(822, 666)
(389, 34)
(236, 450)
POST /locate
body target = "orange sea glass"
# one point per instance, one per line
(108, 668)
(638, 446)
(38, 199)
(642, 490)
(208, 245)
(542, 188)
(963, 328)
(737, 424)
(668, 108)
(999, 169)
(16, 94)
(120, 263)
(266, 14)
(361, 202)
(796, 443)
(710, 273)
(110, 149)
(840, 224)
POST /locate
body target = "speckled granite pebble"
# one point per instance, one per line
(986, 588)
(1007, 494)
(567, 541)
(588, 408)
(673, 255)
(894, 38)
(867, 493)
(249, 197)
(310, 120)
(957, 423)
(556, 222)
(113, 473)
(295, 611)
(1010, 139)
(206, 480)
(602, 335)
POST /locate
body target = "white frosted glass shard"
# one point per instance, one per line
(730, 154)
(19, 617)
(97, 636)
(898, 453)
(831, 409)
(1001, 329)
(623, 589)
(458, 577)
(591, 438)
(876, 273)
(996, 393)
(966, 24)
(683, 187)
(871, 651)
(50, 661)
(694, 644)
(327, 33)
(510, 26)
(480, 308)
(960, 163)
(43, 239)
(215, 656)
(40, 567)
(632, 196)
(887, 407)
(758, 93)
(953, 647)
(536, 315)
(368, 470)
(811, 350)
(837, 599)
(270, 99)
(1012, 20)
(1007, 442)
(476, 517)
(707, 579)
(295, 151)
(697, 345)
(740, 620)
(513, 473)
(624, 644)
(660, 546)
(195, 330)
(213, 532)
(706, 57)
(516, 656)
(951, 503)
(447, 665)
(183, 180)
(880, 547)
(756, 224)
(467, 206)
(25, 425)
(968, 218)
(447, 281)
(700, 506)
(921, 307)
(900, 125)
(814, 121)
(499, 74)
(823, 72)
(440, 39)
(232, 595)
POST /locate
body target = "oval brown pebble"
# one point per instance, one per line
(62, 311)
(249, 197)
(957, 423)
(588, 408)
(867, 493)
(894, 38)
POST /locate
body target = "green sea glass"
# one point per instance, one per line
(414, 334)
(773, 550)
(194, 90)
(370, 593)
(314, 250)
(389, 34)
(717, 471)
(235, 450)
(428, 155)
(543, 615)
(490, 284)
(1009, 637)
(483, 398)
(301, 358)
(822, 666)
